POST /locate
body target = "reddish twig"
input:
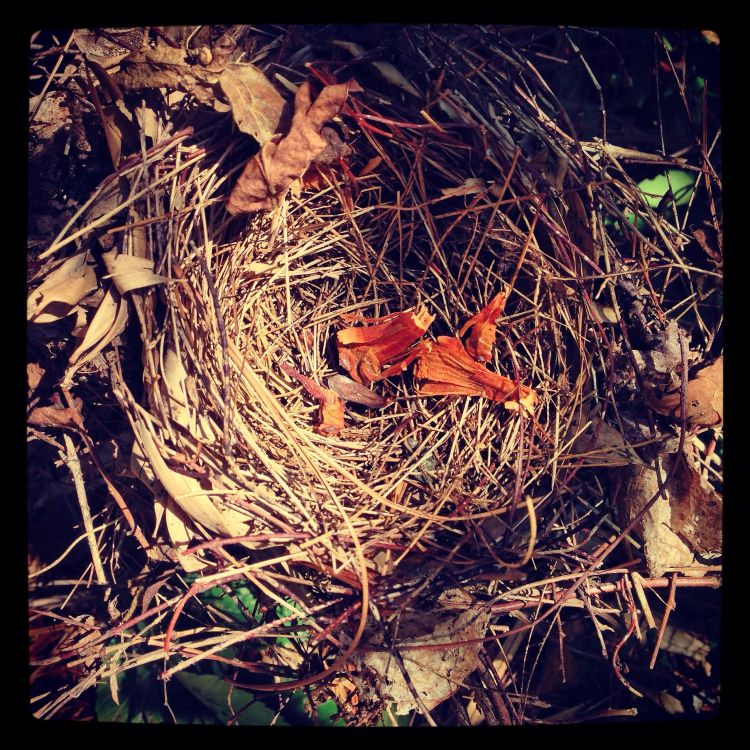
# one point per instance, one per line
(663, 624)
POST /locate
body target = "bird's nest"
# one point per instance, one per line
(471, 184)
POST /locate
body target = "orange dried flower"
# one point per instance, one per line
(376, 351)
(482, 337)
(448, 370)
(331, 409)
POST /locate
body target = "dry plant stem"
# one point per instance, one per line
(74, 464)
(556, 603)
(483, 702)
(56, 562)
(60, 243)
(616, 664)
(670, 605)
(51, 78)
(641, 594)
(219, 318)
(129, 165)
(296, 437)
(118, 498)
(489, 676)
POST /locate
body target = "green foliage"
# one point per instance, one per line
(401, 720)
(228, 602)
(326, 711)
(656, 188)
(141, 698)
(202, 699)
(214, 694)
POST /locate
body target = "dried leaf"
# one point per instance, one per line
(706, 238)
(273, 170)
(59, 294)
(52, 115)
(683, 521)
(220, 54)
(394, 76)
(679, 641)
(578, 224)
(92, 43)
(350, 390)
(34, 375)
(448, 370)
(371, 166)
(704, 397)
(365, 350)
(313, 179)
(334, 149)
(483, 324)
(710, 36)
(181, 535)
(166, 67)
(256, 105)
(386, 69)
(436, 675)
(604, 314)
(51, 416)
(109, 321)
(112, 122)
(471, 186)
(331, 410)
(187, 492)
(662, 547)
(110, 197)
(129, 272)
(179, 394)
(600, 444)
(696, 508)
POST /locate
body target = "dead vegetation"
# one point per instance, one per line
(433, 548)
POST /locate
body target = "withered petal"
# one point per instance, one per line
(483, 324)
(364, 351)
(448, 370)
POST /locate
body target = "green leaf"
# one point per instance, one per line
(141, 697)
(227, 603)
(106, 709)
(401, 720)
(295, 710)
(213, 693)
(656, 188)
(325, 713)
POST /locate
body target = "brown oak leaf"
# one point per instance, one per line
(272, 171)
(165, 66)
(704, 397)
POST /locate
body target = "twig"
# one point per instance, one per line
(670, 605)
(71, 459)
(221, 326)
